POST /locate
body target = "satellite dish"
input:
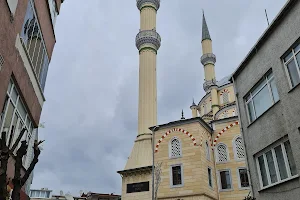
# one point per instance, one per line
(69, 197)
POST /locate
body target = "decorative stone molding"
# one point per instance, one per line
(148, 39)
(142, 3)
(208, 84)
(208, 58)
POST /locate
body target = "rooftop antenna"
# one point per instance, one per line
(267, 17)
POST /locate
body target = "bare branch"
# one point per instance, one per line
(35, 160)
(18, 140)
(4, 161)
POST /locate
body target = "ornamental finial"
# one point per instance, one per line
(182, 115)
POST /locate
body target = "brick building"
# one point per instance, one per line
(27, 40)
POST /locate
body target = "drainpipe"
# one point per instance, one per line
(153, 130)
(242, 133)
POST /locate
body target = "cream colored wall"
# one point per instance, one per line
(147, 108)
(148, 18)
(206, 46)
(227, 138)
(193, 160)
(208, 102)
(230, 112)
(137, 178)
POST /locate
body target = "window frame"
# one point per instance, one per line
(12, 6)
(217, 154)
(211, 177)
(249, 97)
(219, 180)
(235, 149)
(53, 13)
(239, 178)
(170, 148)
(207, 150)
(285, 63)
(171, 176)
(286, 164)
(29, 134)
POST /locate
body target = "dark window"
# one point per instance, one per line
(244, 178)
(209, 177)
(176, 175)
(225, 180)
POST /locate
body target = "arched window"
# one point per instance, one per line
(207, 150)
(175, 148)
(239, 148)
(225, 96)
(222, 153)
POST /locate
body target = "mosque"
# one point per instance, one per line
(201, 158)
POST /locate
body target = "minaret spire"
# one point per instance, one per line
(205, 31)
(208, 60)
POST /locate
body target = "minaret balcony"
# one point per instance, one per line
(208, 58)
(208, 84)
(148, 39)
(148, 3)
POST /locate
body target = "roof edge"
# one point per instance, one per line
(185, 121)
(288, 5)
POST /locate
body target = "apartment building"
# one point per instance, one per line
(27, 40)
(268, 95)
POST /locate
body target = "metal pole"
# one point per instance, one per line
(153, 130)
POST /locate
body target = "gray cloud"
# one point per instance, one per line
(91, 109)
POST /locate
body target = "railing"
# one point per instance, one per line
(148, 36)
(139, 3)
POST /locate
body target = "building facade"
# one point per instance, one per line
(267, 90)
(198, 158)
(27, 41)
(203, 157)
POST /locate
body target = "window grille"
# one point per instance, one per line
(1, 61)
(225, 97)
(175, 148)
(222, 155)
(33, 42)
(239, 148)
(207, 151)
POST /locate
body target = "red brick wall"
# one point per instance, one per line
(13, 63)
(58, 3)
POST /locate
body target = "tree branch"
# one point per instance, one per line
(4, 160)
(18, 140)
(35, 160)
(18, 165)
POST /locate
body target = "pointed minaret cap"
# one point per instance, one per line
(182, 115)
(193, 104)
(205, 32)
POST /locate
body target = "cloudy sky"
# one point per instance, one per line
(91, 110)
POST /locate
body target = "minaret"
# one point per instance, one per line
(147, 42)
(139, 163)
(193, 107)
(208, 60)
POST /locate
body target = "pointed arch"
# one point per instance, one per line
(173, 130)
(223, 131)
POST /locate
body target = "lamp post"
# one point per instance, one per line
(153, 130)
